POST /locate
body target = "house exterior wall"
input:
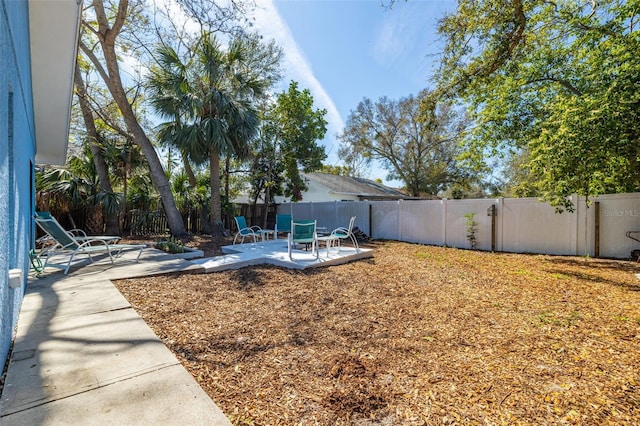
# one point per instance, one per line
(17, 153)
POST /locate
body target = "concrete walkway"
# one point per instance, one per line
(82, 355)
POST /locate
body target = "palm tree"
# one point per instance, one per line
(76, 188)
(125, 159)
(209, 101)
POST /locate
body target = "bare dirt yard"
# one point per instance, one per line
(418, 335)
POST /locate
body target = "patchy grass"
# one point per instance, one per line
(416, 335)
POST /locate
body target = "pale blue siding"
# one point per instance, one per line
(17, 152)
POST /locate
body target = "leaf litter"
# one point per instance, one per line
(418, 335)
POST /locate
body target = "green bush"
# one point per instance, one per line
(172, 245)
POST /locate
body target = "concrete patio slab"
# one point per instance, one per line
(229, 261)
(275, 252)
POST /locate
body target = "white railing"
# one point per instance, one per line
(521, 225)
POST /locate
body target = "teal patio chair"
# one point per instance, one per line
(245, 231)
(283, 224)
(344, 233)
(62, 242)
(303, 232)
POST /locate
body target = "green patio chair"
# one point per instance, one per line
(245, 231)
(303, 232)
(62, 242)
(283, 224)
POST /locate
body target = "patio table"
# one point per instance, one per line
(329, 241)
(265, 234)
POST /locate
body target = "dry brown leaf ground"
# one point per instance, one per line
(416, 335)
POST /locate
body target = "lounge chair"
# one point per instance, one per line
(46, 241)
(245, 231)
(62, 242)
(283, 224)
(344, 233)
(303, 232)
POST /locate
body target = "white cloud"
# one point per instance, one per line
(271, 25)
(391, 42)
(403, 37)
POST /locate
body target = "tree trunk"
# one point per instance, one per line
(227, 174)
(205, 226)
(267, 197)
(107, 36)
(111, 220)
(215, 215)
(189, 171)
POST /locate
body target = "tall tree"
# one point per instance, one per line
(102, 169)
(289, 144)
(209, 100)
(558, 79)
(106, 28)
(415, 138)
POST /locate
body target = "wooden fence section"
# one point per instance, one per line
(141, 223)
(519, 225)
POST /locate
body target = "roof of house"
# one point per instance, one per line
(362, 188)
(54, 29)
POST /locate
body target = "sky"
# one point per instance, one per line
(346, 50)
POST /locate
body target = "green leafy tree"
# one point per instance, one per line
(518, 180)
(209, 100)
(298, 129)
(415, 138)
(337, 170)
(287, 144)
(557, 80)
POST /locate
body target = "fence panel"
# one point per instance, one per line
(330, 214)
(619, 213)
(529, 226)
(302, 211)
(385, 220)
(360, 209)
(325, 214)
(456, 223)
(421, 221)
(522, 225)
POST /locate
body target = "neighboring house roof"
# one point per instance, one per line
(54, 30)
(327, 187)
(359, 187)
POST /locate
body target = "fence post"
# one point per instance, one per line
(500, 224)
(400, 220)
(596, 229)
(370, 219)
(575, 218)
(443, 202)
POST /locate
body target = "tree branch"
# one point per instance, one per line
(94, 60)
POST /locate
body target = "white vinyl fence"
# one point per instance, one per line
(521, 225)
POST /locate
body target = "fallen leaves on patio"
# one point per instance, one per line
(416, 335)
